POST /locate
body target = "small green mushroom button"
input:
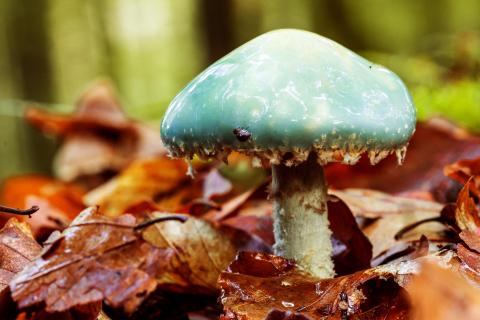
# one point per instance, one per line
(298, 100)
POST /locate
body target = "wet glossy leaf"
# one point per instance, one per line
(96, 258)
(260, 286)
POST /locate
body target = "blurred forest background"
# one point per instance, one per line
(51, 49)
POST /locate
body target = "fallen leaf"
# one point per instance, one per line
(441, 294)
(434, 141)
(230, 207)
(98, 138)
(96, 258)
(59, 202)
(352, 251)
(382, 232)
(91, 311)
(260, 286)
(200, 251)
(215, 185)
(465, 170)
(161, 180)
(374, 204)
(386, 215)
(17, 248)
(467, 214)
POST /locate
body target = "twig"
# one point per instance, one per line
(177, 217)
(26, 212)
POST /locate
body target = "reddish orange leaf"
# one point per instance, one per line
(59, 202)
(161, 180)
(467, 214)
(465, 170)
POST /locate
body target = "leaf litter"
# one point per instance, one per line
(396, 232)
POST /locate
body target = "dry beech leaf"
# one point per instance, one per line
(433, 146)
(98, 138)
(374, 204)
(200, 251)
(463, 170)
(17, 248)
(441, 294)
(96, 258)
(382, 232)
(59, 202)
(392, 214)
(161, 180)
(467, 214)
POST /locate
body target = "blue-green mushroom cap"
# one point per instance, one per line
(288, 93)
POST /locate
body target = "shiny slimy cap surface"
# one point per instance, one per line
(285, 94)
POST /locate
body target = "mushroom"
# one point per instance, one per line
(298, 101)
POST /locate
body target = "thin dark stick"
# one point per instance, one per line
(181, 218)
(412, 226)
(26, 212)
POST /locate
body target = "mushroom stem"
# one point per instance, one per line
(301, 223)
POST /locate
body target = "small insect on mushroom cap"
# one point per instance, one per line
(294, 92)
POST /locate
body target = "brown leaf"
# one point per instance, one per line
(471, 239)
(469, 258)
(442, 294)
(17, 248)
(467, 214)
(98, 138)
(374, 204)
(161, 180)
(95, 258)
(260, 286)
(201, 251)
(230, 207)
(464, 170)
(258, 225)
(382, 232)
(352, 251)
(433, 146)
(90, 311)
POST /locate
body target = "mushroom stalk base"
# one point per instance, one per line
(301, 224)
